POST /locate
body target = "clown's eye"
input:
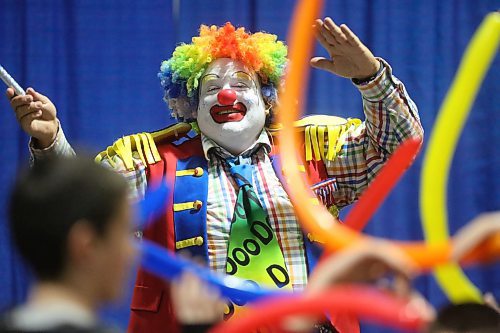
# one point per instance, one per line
(240, 85)
(212, 88)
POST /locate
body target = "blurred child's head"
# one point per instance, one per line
(466, 318)
(71, 222)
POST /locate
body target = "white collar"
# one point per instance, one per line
(262, 141)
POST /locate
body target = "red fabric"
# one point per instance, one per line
(316, 171)
(151, 308)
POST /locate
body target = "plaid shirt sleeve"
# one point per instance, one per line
(60, 147)
(136, 178)
(391, 118)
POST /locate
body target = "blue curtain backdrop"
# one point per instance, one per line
(97, 60)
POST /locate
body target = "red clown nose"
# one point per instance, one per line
(226, 97)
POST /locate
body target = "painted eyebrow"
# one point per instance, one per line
(244, 74)
(208, 76)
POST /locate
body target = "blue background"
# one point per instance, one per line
(97, 60)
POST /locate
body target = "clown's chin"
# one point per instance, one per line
(232, 129)
(237, 136)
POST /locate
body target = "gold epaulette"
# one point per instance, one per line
(316, 129)
(144, 144)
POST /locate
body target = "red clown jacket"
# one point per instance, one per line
(177, 158)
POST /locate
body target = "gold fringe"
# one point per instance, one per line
(315, 134)
(142, 143)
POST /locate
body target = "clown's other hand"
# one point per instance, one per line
(349, 57)
(475, 233)
(194, 302)
(37, 116)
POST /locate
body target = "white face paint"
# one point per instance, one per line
(231, 110)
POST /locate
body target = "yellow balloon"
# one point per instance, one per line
(442, 144)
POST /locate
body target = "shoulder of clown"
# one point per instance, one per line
(311, 120)
(147, 145)
(322, 136)
(183, 137)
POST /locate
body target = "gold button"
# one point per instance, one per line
(197, 204)
(199, 241)
(198, 172)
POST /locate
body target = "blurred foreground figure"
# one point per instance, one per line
(70, 220)
(466, 318)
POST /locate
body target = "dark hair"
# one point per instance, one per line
(467, 317)
(49, 198)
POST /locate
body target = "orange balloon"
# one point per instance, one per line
(317, 219)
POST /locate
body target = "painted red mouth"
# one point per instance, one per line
(228, 113)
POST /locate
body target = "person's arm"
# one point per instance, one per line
(59, 147)
(196, 306)
(136, 178)
(476, 233)
(391, 116)
(37, 116)
(378, 264)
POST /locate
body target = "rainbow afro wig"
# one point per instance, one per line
(180, 75)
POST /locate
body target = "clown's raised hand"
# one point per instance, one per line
(349, 57)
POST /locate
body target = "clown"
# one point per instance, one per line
(229, 203)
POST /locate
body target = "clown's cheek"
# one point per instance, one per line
(249, 98)
(203, 106)
(204, 110)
